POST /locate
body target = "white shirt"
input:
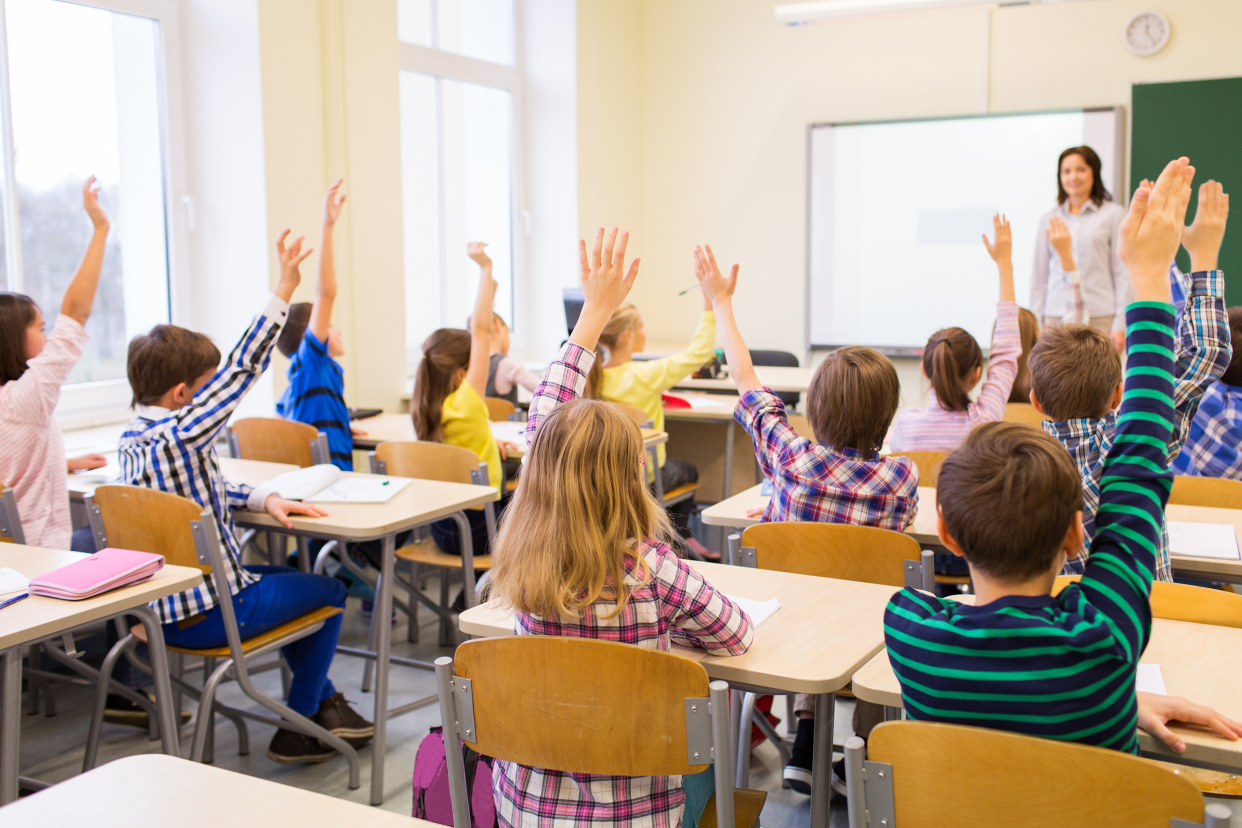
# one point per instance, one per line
(1105, 281)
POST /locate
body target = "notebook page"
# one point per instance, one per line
(1150, 680)
(1203, 540)
(759, 611)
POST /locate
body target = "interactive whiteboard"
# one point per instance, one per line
(896, 210)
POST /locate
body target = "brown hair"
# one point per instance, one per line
(1233, 374)
(579, 515)
(166, 356)
(852, 399)
(445, 352)
(1028, 333)
(1098, 194)
(1074, 371)
(624, 318)
(1008, 495)
(17, 312)
(296, 323)
(948, 360)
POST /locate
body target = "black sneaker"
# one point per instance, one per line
(838, 778)
(798, 771)
(338, 718)
(289, 747)
(122, 711)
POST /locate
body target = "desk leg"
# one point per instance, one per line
(728, 469)
(10, 721)
(170, 717)
(821, 759)
(275, 548)
(383, 645)
(304, 560)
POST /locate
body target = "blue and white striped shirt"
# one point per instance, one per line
(174, 451)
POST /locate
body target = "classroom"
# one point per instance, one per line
(589, 408)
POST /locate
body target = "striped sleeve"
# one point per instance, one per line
(563, 381)
(1203, 346)
(1002, 366)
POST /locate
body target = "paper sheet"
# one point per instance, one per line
(1203, 540)
(759, 611)
(303, 483)
(12, 581)
(1150, 680)
(510, 430)
(360, 490)
(704, 402)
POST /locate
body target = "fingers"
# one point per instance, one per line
(733, 278)
(711, 258)
(991, 249)
(631, 274)
(280, 241)
(1164, 193)
(1159, 730)
(582, 254)
(596, 262)
(610, 242)
(303, 257)
(619, 256)
(1181, 201)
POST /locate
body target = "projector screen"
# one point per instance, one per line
(896, 210)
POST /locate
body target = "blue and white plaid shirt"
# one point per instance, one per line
(1203, 354)
(174, 451)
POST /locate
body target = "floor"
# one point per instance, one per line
(52, 746)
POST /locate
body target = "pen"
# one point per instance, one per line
(687, 290)
(14, 599)
(386, 482)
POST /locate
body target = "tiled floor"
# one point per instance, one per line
(52, 747)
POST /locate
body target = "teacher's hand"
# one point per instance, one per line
(1119, 339)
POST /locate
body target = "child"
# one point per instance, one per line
(1028, 333)
(1076, 372)
(505, 374)
(33, 366)
(840, 478)
(953, 363)
(583, 551)
(316, 382)
(1011, 503)
(182, 403)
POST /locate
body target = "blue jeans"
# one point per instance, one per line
(283, 594)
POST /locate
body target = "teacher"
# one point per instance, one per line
(1078, 276)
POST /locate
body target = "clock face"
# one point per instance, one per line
(1147, 32)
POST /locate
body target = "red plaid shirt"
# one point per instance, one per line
(812, 482)
(673, 605)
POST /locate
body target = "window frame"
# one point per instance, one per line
(88, 404)
(443, 64)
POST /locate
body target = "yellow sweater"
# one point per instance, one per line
(641, 383)
(464, 422)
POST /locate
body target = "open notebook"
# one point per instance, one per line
(326, 484)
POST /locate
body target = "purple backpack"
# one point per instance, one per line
(432, 801)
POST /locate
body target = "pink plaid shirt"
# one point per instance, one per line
(674, 605)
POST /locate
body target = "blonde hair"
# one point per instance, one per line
(579, 516)
(624, 318)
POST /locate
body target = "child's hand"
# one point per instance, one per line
(290, 258)
(90, 200)
(475, 251)
(507, 446)
(280, 509)
(87, 462)
(1002, 250)
(716, 288)
(1154, 711)
(605, 281)
(1152, 231)
(356, 431)
(1202, 239)
(332, 205)
(1059, 238)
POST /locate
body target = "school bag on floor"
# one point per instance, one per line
(432, 801)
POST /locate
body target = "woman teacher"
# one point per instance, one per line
(1078, 276)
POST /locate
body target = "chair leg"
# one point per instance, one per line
(326, 553)
(101, 700)
(761, 721)
(33, 685)
(203, 747)
(286, 677)
(791, 718)
(446, 628)
(304, 561)
(743, 740)
(411, 629)
(368, 668)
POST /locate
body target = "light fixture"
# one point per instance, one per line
(797, 14)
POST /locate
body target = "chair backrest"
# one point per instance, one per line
(928, 463)
(147, 520)
(833, 550)
(1216, 492)
(1183, 602)
(428, 461)
(274, 441)
(781, 359)
(498, 410)
(640, 417)
(801, 426)
(1021, 781)
(10, 521)
(1023, 413)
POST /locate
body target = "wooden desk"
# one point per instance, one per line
(154, 790)
(1198, 661)
(825, 630)
(36, 618)
(773, 377)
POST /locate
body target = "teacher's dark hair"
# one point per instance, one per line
(1099, 195)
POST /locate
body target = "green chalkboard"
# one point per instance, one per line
(1203, 121)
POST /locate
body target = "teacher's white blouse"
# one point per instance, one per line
(1105, 281)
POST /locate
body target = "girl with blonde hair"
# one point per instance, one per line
(583, 551)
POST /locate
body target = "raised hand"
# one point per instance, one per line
(291, 257)
(90, 200)
(331, 204)
(605, 284)
(1059, 238)
(1002, 250)
(716, 288)
(1202, 239)
(475, 251)
(1152, 230)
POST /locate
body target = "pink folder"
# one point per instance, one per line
(106, 569)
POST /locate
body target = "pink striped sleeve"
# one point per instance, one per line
(1002, 366)
(33, 396)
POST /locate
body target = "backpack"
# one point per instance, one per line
(432, 801)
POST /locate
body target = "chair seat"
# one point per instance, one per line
(953, 579)
(746, 807)
(428, 553)
(298, 624)
(680, 493)
(1212, 783)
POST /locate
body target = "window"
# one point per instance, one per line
(83, 95)
(459, 98)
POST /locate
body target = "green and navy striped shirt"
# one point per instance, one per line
(1060, 667)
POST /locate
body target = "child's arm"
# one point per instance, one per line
(481, 320)
(605, 284)
(325, 295)
(80, 295)
(662, 374)
(702, 616)
(1203, 346)
(718, 291)
(1006, 338)
(515, 373)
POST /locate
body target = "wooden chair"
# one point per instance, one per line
(498, 409)
(450, 464)
(186, 535)
(1183, 602)
(278, 441)
(567, 704)
(898, 778)
(1216, 492)
(10, 520)
(1023, 413)
(928, 464)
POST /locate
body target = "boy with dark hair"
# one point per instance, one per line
(316, 390)
(1076, 375)
(1010, 503)
(182, 403)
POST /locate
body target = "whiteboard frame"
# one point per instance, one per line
(1121, 186)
